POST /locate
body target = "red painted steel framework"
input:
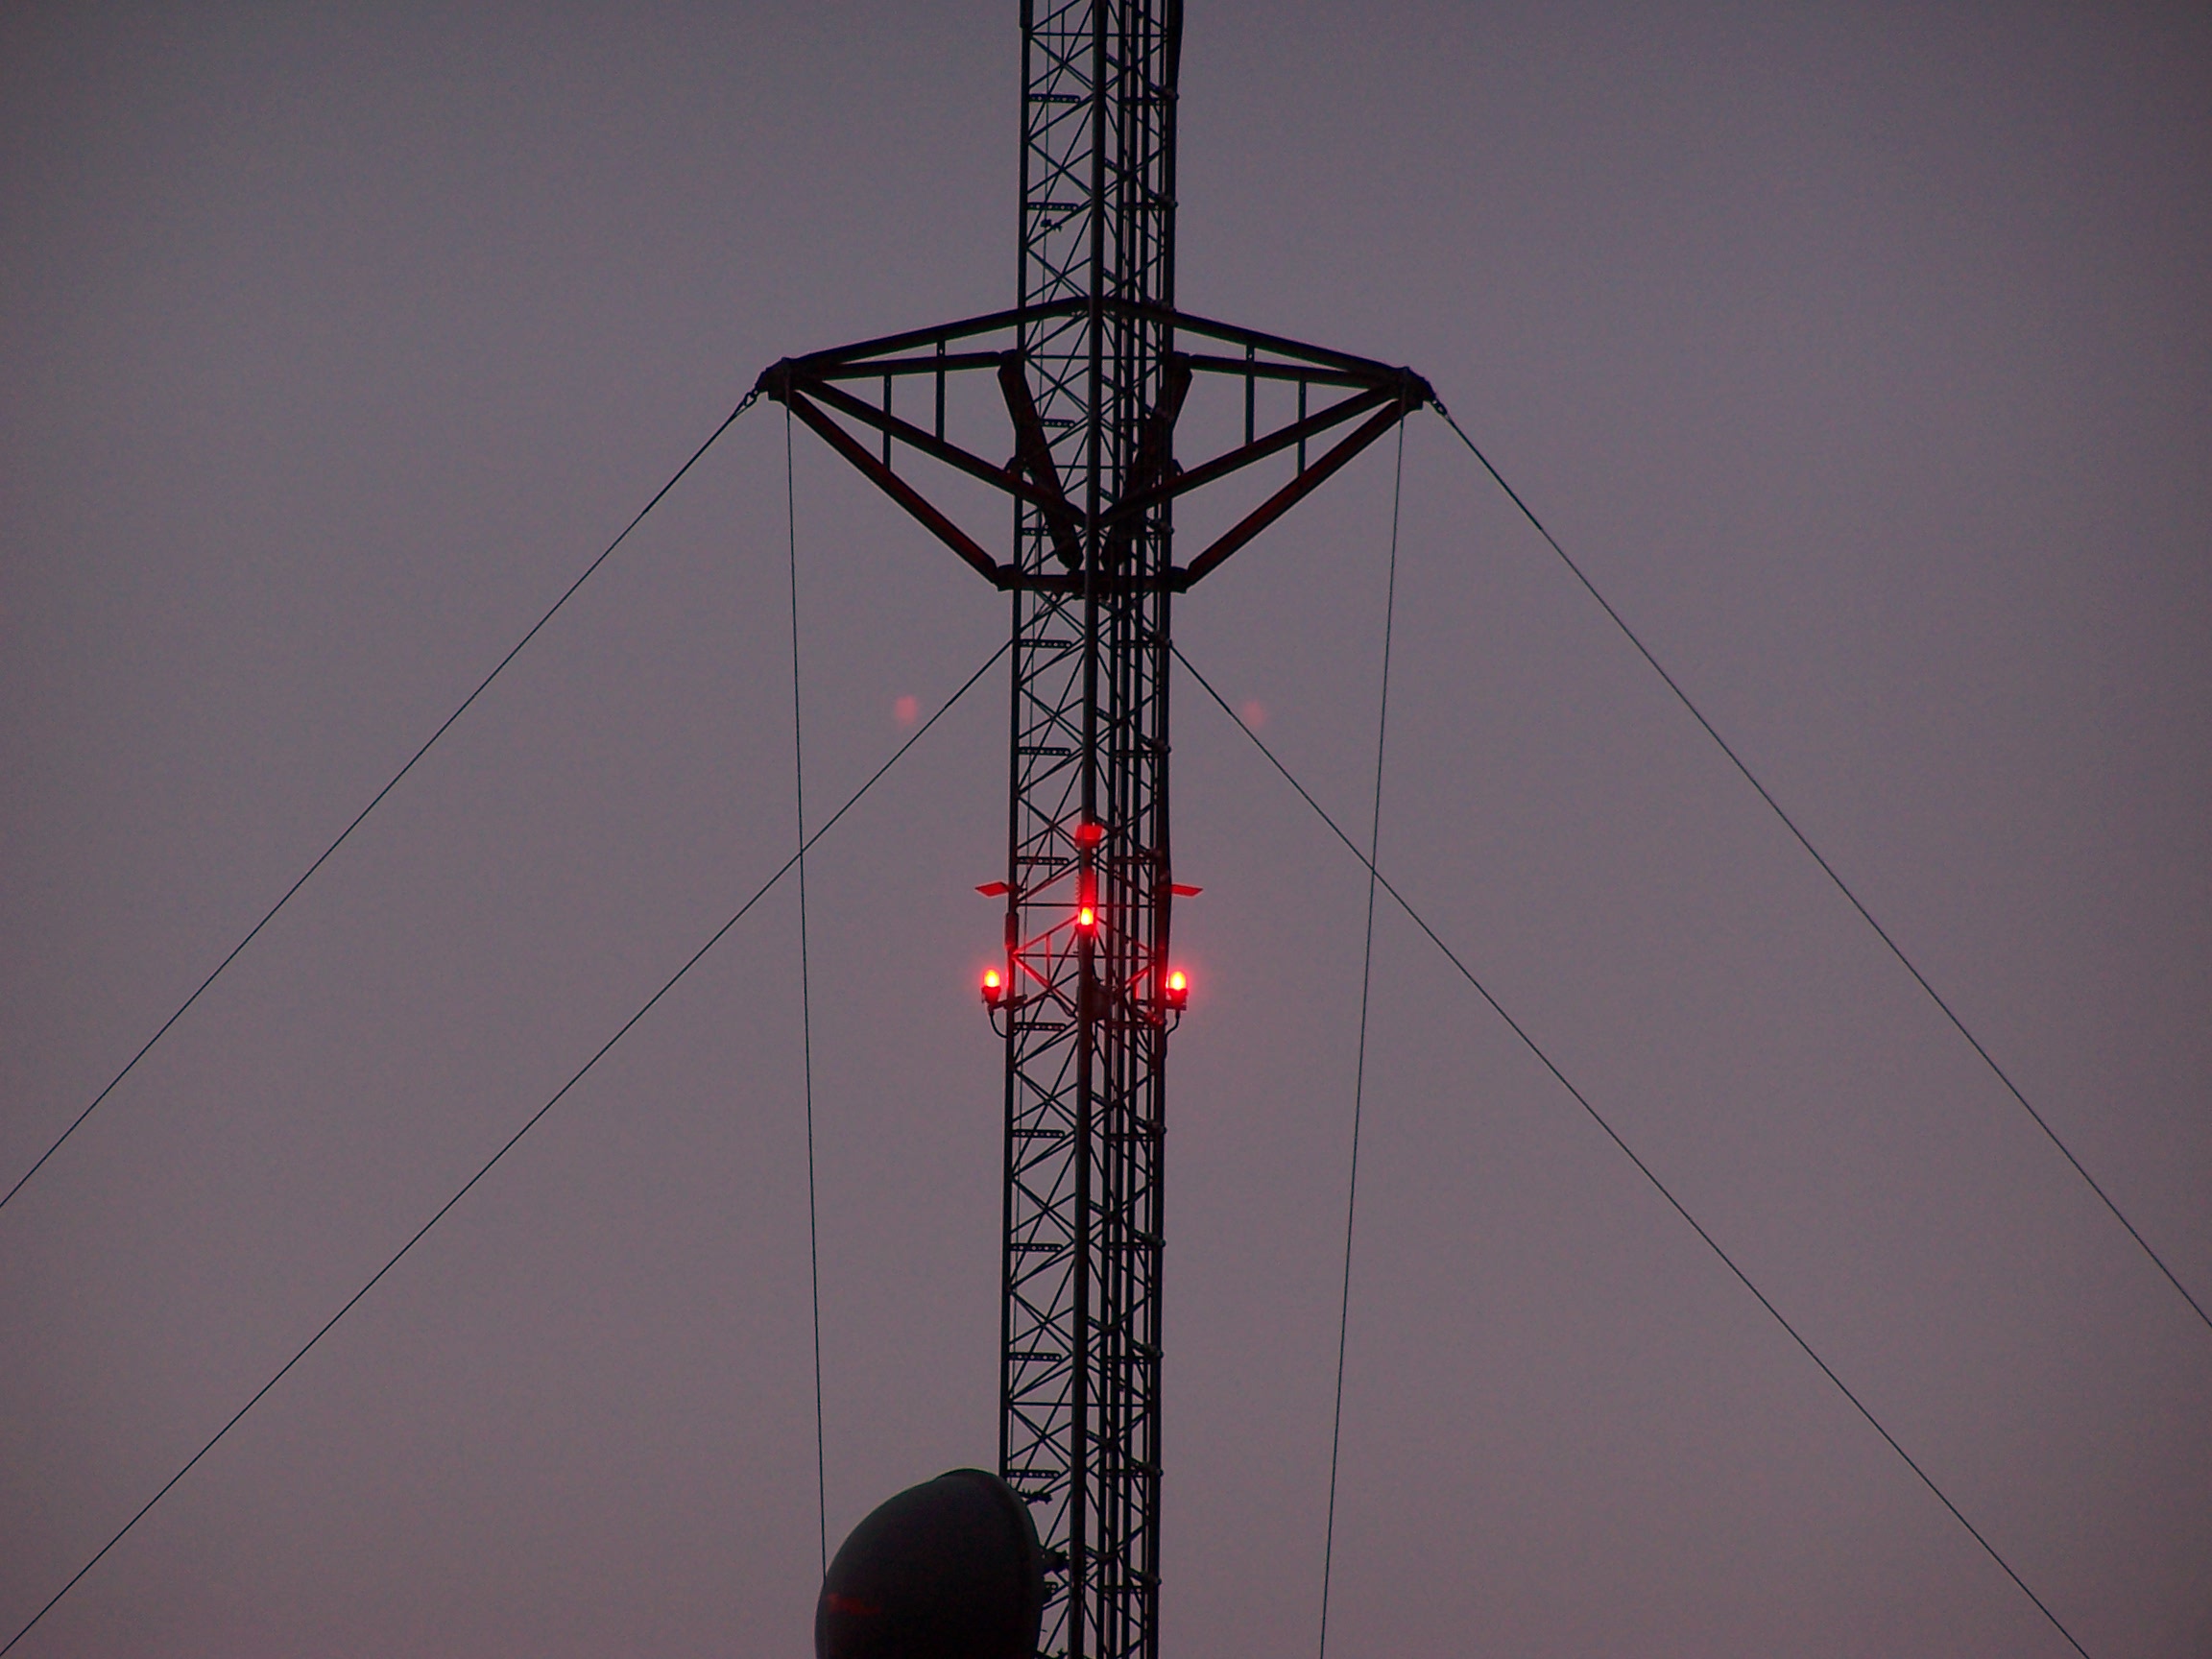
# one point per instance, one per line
(1094, 369)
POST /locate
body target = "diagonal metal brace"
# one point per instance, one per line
(1139, 502)
(1155, 454)
(936, 449)
(1034, 455)
(1296, 490)
(897, 489)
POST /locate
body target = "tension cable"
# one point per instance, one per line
(805, 1003)
(1828, 870)
(529, 1123)
(567, 594)
(1359, 1067)
(1642, 1168)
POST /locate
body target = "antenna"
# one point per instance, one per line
(1093, 369)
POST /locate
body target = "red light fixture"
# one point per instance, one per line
(1178, 995)
(1086, 918)
(994, 988)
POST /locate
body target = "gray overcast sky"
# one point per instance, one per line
(1863, 354)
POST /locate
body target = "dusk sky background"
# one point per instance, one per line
(1862, 354)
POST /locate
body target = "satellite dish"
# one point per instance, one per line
(951, 1569)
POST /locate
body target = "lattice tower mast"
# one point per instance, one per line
(1086, 1095)
(1093, 368)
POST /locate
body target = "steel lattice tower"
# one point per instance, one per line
(1094, 376)
(1086, 1094)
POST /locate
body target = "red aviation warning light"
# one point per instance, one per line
(994, 988)
(1087, 837)
(1178, 993)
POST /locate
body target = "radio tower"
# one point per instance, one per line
(1094, 367)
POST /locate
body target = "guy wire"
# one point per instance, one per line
(805, 1005)
(1359, 1067)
